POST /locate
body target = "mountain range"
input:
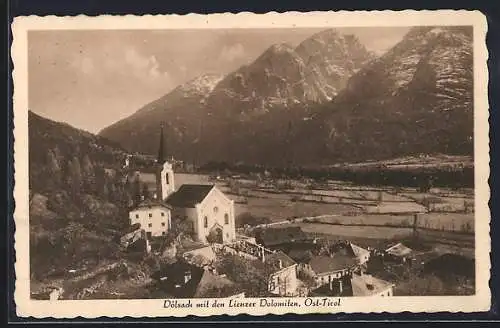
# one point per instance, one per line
(325, 101)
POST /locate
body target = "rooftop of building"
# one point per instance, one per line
(273, 261)
(367, 285)
(324, 264)
(151, 203)
(399, 250)
(276, 236)
(188, 195)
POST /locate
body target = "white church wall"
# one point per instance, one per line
(218, 210)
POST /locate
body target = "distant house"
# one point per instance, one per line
(215, 286)
(272, 237)
(282, 274)
(367, 285)
(200, 256)
(153, 216)
(399, 252)
(361, 254)
(184, 280)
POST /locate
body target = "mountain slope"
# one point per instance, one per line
(282, 76)
(417, 98)
(182, 111)
(256, 100)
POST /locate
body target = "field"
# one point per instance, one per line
(354, 231)
(348, 209)
(279, 209)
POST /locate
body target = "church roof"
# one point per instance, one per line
(189, 195)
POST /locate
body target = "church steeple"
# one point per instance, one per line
(164, 172)
(161, 155)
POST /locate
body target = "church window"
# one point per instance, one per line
(150, 215)
(163, 233)
(137, 216)
(205, 222)
(150, 225)
(162, 213)
(227, 235)
(216, 209)
(163, 224)
(167, 178)
(226, 218)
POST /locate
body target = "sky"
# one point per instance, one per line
(91, 79)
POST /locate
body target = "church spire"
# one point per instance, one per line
(161, 155)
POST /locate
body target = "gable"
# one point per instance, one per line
(217, 194)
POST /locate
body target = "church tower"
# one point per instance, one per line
(164, 173)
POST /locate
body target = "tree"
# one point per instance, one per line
(428, 285)
(54, 172)
(145, 191)
(75, 177)
(136, 191)
(249, 274)
(88, 175)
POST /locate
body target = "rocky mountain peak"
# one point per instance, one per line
(201, 85)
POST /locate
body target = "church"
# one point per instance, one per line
(208, 210)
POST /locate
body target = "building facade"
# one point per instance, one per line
(209, 212)
(154, 218)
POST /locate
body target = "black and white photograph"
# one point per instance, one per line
(260, 167)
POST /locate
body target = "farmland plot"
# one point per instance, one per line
(455, 222)
(356, 231)
(449, 222)
(279, 210)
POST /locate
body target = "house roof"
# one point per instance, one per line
(150, 203)
(337, 262)
(189, 195)
(276, 236)
(272, 261)
(359, 251)
(171, 278)
(210, 281)
(367, 285)
(399, 250)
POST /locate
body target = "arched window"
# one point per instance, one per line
(167, 178)
(226, 218)
(205, 222)
(216, 209)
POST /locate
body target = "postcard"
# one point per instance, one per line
(224, 164)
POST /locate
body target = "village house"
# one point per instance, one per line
(184, 280)
(326, 269)
(361, 254)
(282, 270)
(281, 237)
(363, 285)
(154, 217)
(399, 253)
